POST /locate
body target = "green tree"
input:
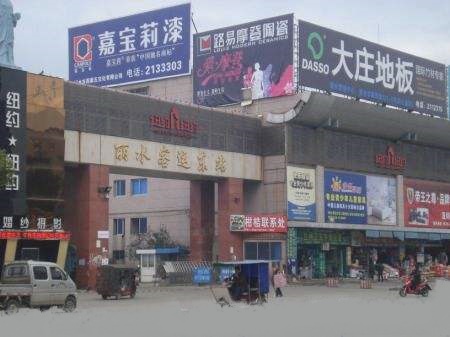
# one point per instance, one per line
(5, 169)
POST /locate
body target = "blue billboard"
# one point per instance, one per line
(345, 198)
(136, 48)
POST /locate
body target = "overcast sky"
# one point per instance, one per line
(413, 26)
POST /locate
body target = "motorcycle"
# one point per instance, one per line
(421, 289)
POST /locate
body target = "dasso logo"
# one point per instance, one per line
(204, 44)
(82, 52)
(315, 45)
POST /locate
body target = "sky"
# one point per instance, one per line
(417, 27)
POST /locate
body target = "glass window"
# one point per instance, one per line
(119, 188)
(119, 226)
(251, 250)
(138, 226)
(40, 273)
(16, 271)
(118, 255)
(139, 186)
(57, 274)
(275, 251)
(263, 250)
(148, 261)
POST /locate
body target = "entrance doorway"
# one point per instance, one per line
(37, 250)
(147, 258)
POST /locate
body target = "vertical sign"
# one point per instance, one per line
(337, 62)
(301, 194)
(13, 140)
(256, 55)
(345, 198)
(136, 48)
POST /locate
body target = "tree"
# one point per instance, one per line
(5, 169)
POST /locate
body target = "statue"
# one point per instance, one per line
(8, 20)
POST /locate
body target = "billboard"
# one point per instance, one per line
(340, 63)
(256, 55)
(426, 203)
(345, 197)
(258, 223)
(135, 48)
(381, 200)
(301, 193)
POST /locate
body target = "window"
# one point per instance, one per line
(119, 188)
(57, 274)
(40, 273)
(119, 226)
(262, 250)
(141, 91)
(138, 226)
(118, 255)
(138, 186)
(148, 261)
(16, 270)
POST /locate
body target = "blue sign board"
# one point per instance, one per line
(136, 48)
(345, 198)
(226, 272)
(202, 275)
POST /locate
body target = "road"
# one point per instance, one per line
(308, 311)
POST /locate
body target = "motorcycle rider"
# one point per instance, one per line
(416, 277)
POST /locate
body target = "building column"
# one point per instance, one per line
(86, 213)
(62, 253)
(10, 251)
(400, 202)
(320, 201)
(201, 220)
(231, 201)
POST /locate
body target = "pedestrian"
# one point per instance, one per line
(380, 270)
(279, 281)
(371, 269)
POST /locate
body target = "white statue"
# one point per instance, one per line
(8, 20)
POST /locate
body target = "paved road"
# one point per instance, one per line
(308, 311)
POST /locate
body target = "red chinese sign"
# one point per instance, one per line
(173, 124)
(426, 204)
(34, 235)
(390, 160)
(259, 223)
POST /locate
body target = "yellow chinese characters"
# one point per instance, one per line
(201, 162)
(182, 159)
(121, 152)
(142, 155)
(163, 157)
(221, 164)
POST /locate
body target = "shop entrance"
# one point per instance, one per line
(317, 262)
(37, 250)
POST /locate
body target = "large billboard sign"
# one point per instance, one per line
(301, 194)
(426, 204)
(340, 63)
(136, 48)
(256, 55)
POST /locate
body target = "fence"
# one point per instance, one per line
(181, 272)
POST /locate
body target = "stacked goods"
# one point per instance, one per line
(332, 282)
(366, 284)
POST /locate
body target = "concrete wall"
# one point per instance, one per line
(166, 205)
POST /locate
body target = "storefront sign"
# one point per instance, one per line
(173, 124)
(231, 59)
(202, 275)
(327, 237)
(301, 193)
(270, 223)
(390, 160)
(34, 235)
(426, 204)
(135, 48)
(337, 62)
(102, 234)
(345, 198)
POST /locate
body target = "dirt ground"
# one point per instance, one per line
(309, 311)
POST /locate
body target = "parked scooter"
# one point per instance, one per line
(421, 289)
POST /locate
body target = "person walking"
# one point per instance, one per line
(380, 270)
(279, 281)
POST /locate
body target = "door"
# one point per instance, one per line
(58, 286)
(41, 286)
(148, 267)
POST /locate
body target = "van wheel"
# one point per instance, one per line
(12, 307)
(70, 304)
(105, 297)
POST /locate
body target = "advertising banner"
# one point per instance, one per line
(345, 198)
(426, 203)
(259, 223)
(337, 62)
(301, 194)
(381, 200)
(256, 55)
(136, 48)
